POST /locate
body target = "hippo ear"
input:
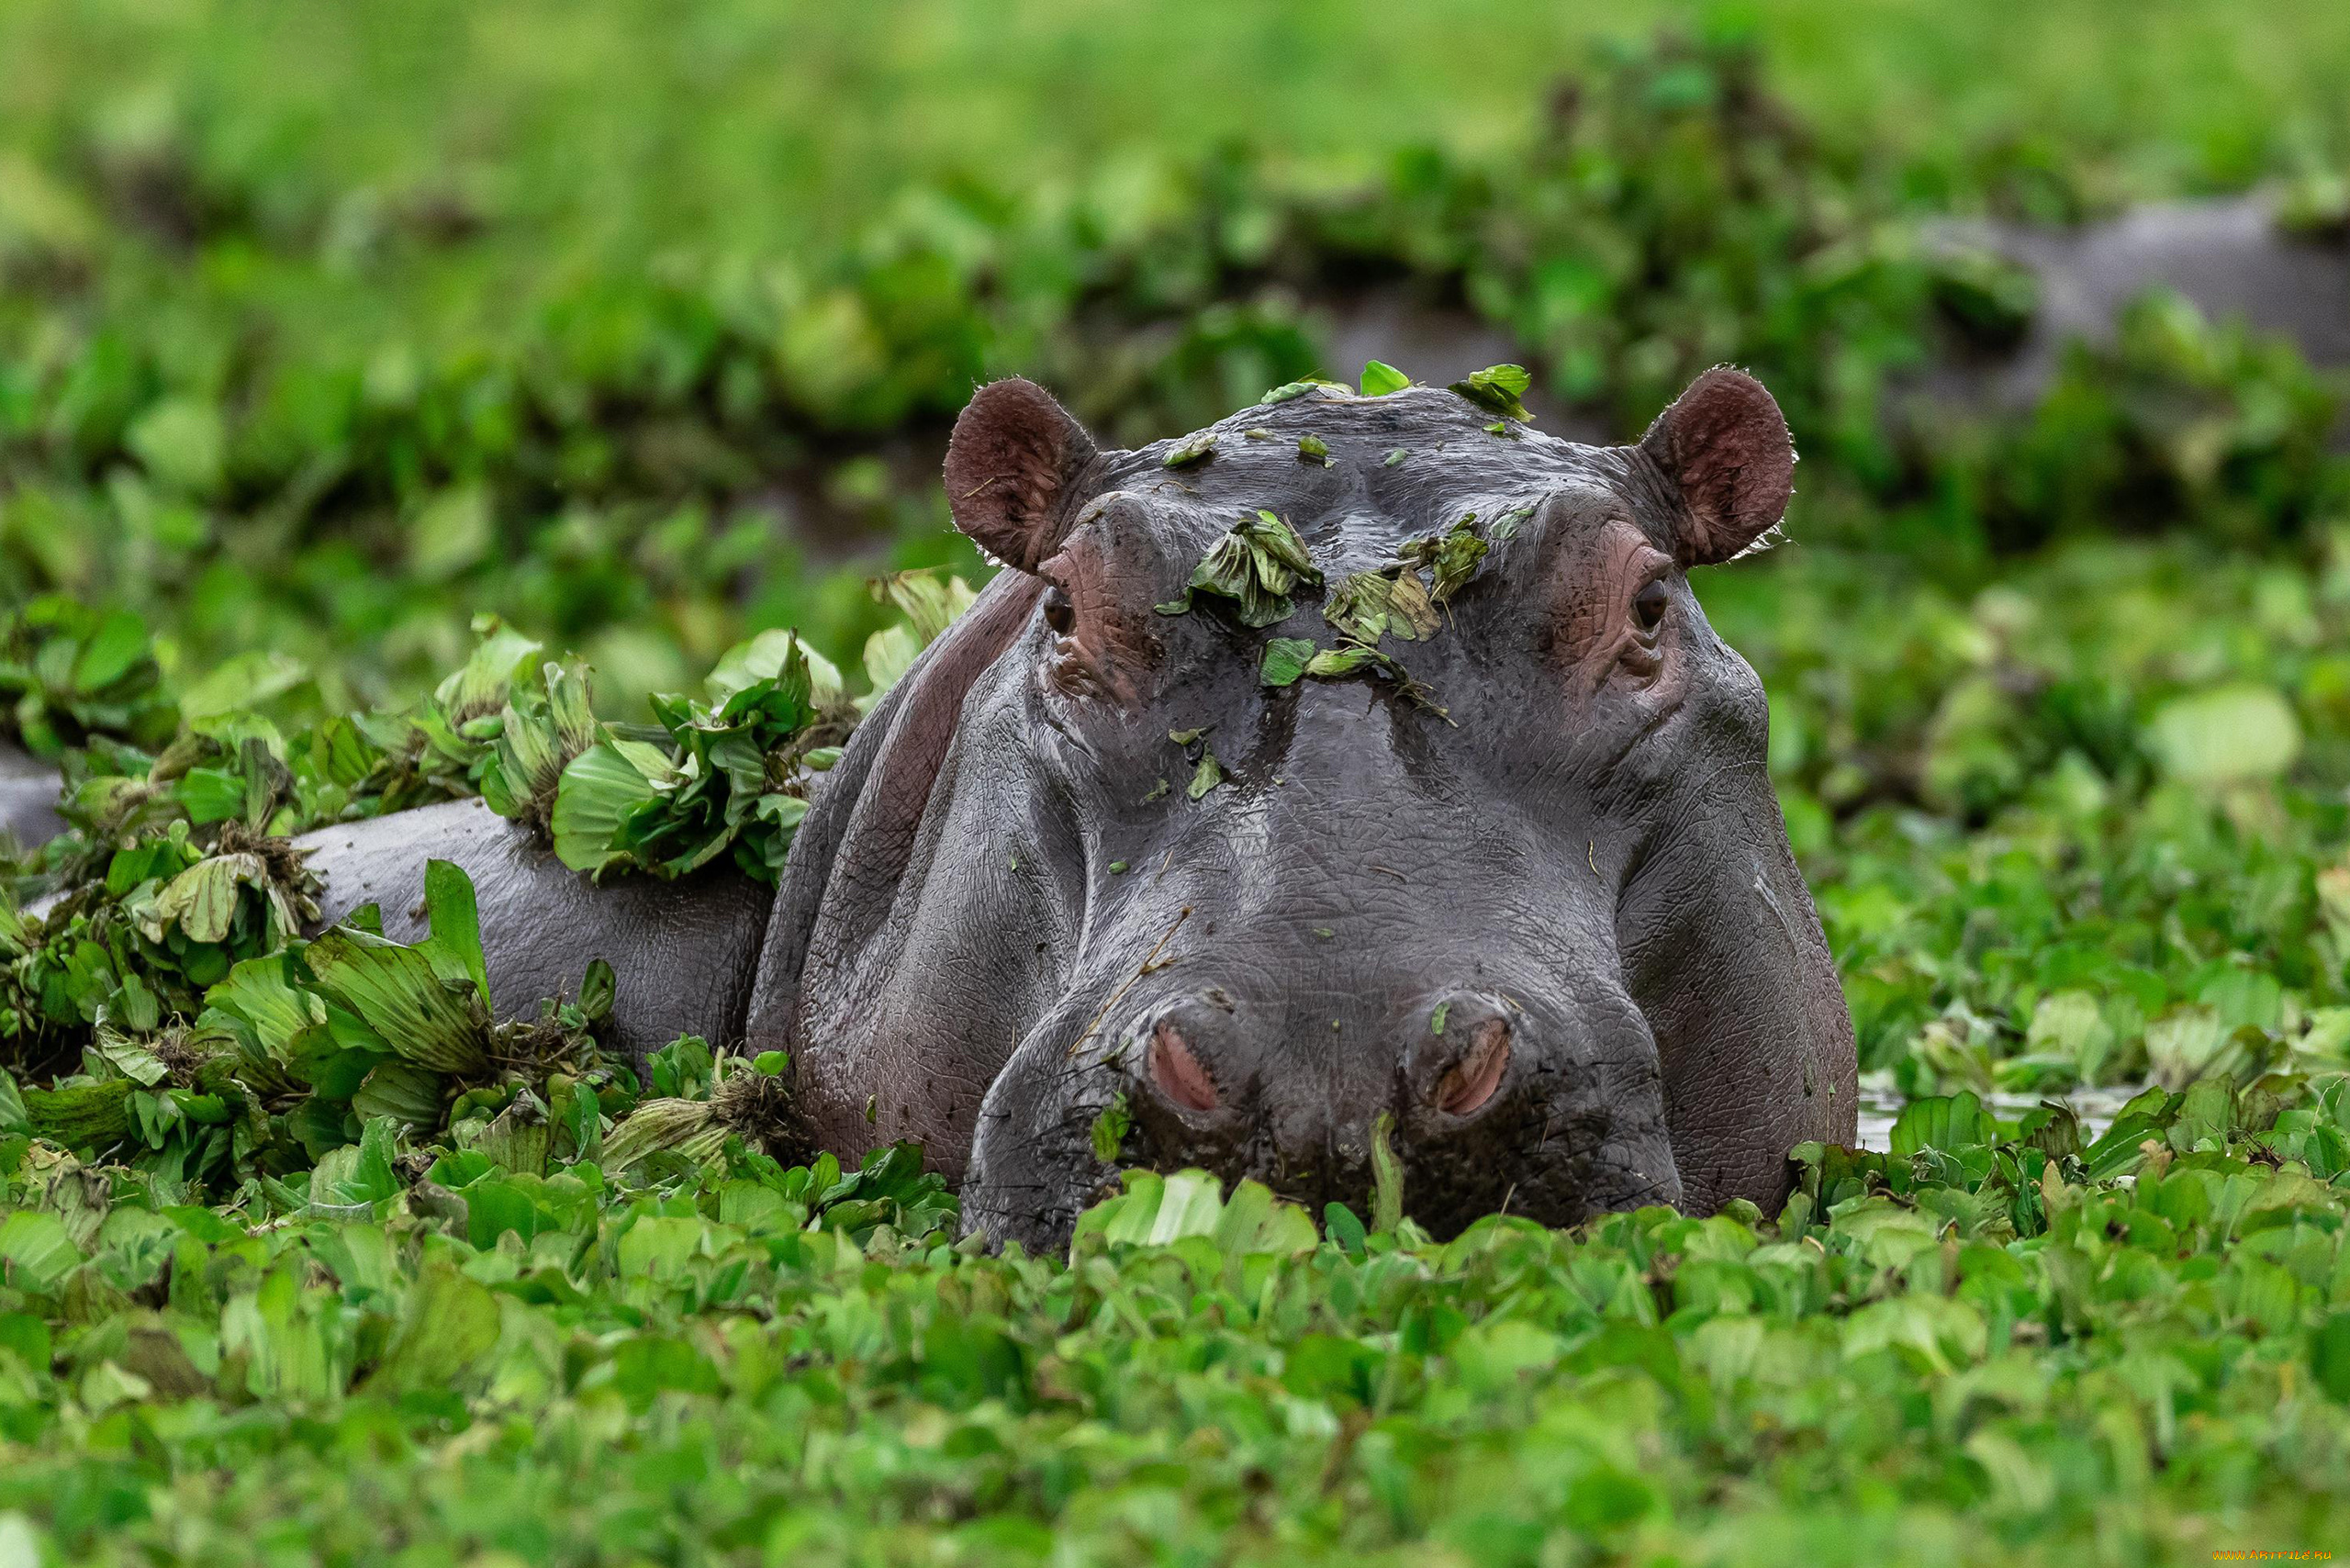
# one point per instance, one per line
(1726, 445)
(1012, 456)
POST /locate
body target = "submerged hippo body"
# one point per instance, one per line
(683, 953)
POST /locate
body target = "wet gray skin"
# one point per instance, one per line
(1542, 914)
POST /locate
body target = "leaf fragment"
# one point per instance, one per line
(1285, 660)
(1380, 378)
(1206, 775)
(1287, 390)
(1197, 449)
(1256, 566)
(1109, 1129)
(1498, 388)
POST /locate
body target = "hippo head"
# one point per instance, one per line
(1361, 768)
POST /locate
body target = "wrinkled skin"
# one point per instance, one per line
(1555, 933)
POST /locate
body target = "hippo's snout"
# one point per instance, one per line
(1487, 1096)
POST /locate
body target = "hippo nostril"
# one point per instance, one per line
(1177, 1073)
(1469, 1082)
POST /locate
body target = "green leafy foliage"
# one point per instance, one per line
(303, 1255)
(68, 674)
(1987, 1335)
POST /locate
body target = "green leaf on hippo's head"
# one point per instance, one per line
(1331, 664)
(1498, 388)
(1452, 557)
(1205, 776)
(1197, 449)
(1380, 378)
(1255, 566)
(1367, 606)
(1287, 390)
(1284, 660)
(1313, 449)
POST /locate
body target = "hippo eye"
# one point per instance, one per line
(1059, 614)
(1649, 605)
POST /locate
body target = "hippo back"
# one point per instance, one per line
(682, 951)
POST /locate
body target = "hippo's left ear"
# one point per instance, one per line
(1011, 457)
(1725, 444)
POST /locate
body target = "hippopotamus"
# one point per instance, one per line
(1114, 877)
(1514, 895)
(1517, 900)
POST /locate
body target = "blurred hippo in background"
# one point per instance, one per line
(2230, 259)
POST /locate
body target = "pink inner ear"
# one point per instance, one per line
(1013, 454)
(1726, 445)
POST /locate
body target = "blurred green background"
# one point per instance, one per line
(323, 329)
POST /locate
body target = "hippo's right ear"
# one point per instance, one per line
(1725, 445)
(1008, 467)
